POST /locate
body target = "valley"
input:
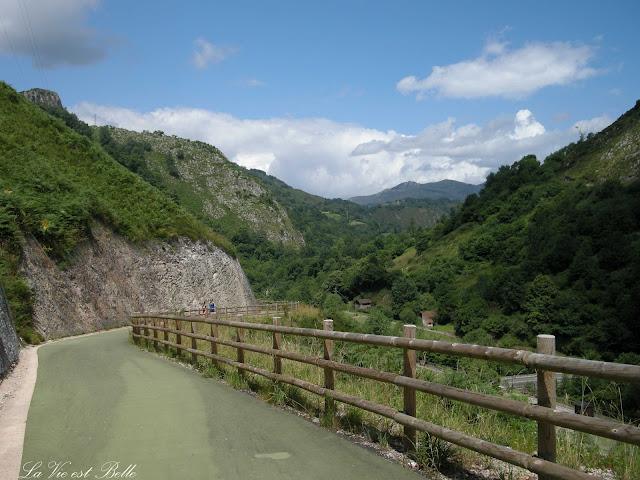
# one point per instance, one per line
(542, 247)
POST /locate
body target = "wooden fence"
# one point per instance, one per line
(543, 360)
(259, 309)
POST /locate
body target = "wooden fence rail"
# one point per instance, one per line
(545, 361)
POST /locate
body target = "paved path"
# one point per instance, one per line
(99, 399)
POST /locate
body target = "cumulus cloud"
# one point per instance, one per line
(593, 125)
(503, 72)
(206, 53)
(51, 32)
(526, 126)
(342, 160)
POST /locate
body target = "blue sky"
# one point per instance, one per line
(338, 98)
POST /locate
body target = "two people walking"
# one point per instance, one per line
(211, 308)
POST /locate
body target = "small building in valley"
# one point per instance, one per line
(363, 303)
(428, 318)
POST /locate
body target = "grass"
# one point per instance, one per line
(448, 328)
(332, 215)
(574, 449)
(403, 261)
(54, 183)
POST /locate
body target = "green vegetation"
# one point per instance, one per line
(540, 250)
(54, 182)
(218, 192)
(574, 449)
(348, 248)
(549, 247)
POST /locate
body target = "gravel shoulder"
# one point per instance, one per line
(16, 391)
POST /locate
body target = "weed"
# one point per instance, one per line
(434, 453)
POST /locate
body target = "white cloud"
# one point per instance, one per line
(503, 72)
(51, 32)
(526, 126)
(592, 125)
(206, 53)
(342, 160)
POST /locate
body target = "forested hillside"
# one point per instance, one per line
(544, 247)
(551, 247)
(54, 182)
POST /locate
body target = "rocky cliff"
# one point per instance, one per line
(212, 187)
(111, 278)
(9, 344)
(46, 98)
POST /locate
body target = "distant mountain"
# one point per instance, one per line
(442, 190)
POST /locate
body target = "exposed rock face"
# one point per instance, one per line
(221, 188)
(40, 96)
(111, 278)
(9, 343)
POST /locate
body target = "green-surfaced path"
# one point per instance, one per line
(99, 399)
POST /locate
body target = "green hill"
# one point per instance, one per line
(549, 247)
(443, 190)
(410, 213)
(54, 182)
(199, 176)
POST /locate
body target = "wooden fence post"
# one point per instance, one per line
(155, 335)
(329, 376)
(165, 336)
(214, 345)
(178, 339)
(240, 338)
(277, 342)
(194, 346)
(136, 331)
(146, 332)
(409, 393)
(546, 398)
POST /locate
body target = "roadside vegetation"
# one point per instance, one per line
(574, 449)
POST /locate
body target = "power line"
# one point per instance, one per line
(34, 46)
(14, 54)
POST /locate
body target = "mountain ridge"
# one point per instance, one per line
(452, 190)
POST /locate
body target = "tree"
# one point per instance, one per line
(539, 301)
(408, 315)
(403, 291)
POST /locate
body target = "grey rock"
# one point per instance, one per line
(40, 96)
(9, 343)
(110, 278)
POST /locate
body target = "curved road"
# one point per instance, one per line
(99, 399)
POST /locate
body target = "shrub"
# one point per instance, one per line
(434, 453)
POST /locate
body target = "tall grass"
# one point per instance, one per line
(575, 449)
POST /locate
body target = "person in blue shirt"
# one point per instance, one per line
(212, 307)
